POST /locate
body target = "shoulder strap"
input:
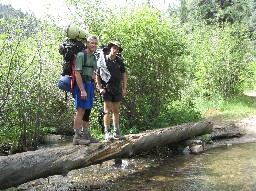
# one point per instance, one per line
(85, 59)
(105, 57)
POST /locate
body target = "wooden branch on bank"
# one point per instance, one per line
(23, 167)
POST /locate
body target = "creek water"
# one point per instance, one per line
(230, 168)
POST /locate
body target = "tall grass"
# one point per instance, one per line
(230, 109)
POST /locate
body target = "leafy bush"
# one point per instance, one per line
(172, 70)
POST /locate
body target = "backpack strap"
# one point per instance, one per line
(73, 75)
(85, 59)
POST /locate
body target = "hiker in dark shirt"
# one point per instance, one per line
(85, 67)
(113, 89)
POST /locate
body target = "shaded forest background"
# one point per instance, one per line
(180, 62)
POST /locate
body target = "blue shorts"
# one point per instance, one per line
(88, 103)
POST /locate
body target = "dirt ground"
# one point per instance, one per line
(233, 131)
(245, 127)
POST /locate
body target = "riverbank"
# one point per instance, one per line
(232, 131)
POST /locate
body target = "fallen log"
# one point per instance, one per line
(23, 167)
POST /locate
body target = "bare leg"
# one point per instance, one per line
(116, 110)
(107, 109)
(85, 124)
(78, 121)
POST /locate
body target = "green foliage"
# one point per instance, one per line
(239, 106)
(207, 138)
(252, 17)
(175, 72)
(28, 75)
(49, 130)
(216, 12)
(219, 57)
(231, 109)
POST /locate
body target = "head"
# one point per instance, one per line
(91, 44)
(115, 48)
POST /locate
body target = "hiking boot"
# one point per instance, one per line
(94, 140)
(118, 135)
(108, 136)
(79, 140)
(91, 138)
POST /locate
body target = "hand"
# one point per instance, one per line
(124, 92)
(83, 95)
(102, 91)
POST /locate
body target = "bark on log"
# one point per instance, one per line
(23, 167)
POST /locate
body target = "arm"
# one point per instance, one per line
(124, 76)
(78, 74)
(80, 84)
(94, 70)
(94, 83)
(98, 81)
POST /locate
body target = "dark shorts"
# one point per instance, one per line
(113, 92)
(112, 98)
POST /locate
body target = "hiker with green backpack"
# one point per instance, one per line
(85, 67)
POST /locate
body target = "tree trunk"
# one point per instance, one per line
(23, 167)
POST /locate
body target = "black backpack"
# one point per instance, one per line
(68, 48)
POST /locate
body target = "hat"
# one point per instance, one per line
(117, 44)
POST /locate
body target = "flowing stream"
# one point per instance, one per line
(221, 169)
(230, 168)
